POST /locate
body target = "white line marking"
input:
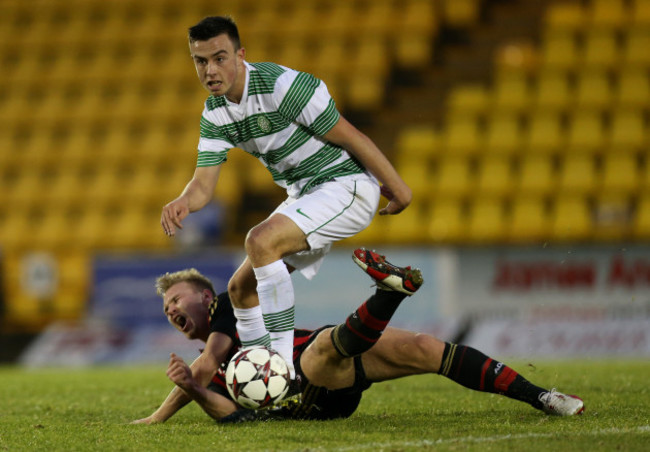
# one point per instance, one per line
(489, 439)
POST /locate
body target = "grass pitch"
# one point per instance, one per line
(90, 409)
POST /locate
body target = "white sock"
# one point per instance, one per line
(275, 292)
(250, 326)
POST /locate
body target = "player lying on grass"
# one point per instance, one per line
(335, 364)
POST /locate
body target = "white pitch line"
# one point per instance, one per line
(487, 439)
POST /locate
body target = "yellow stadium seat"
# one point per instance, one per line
(620, 174)
(577, 174)
(487, 221)
(54, 231)
(468, 99)
(296, 56)
(40, 150)
(95, 228)
(600, 49)
(413, 45)
(365, 93)
(27, 188)
(461, 135)
(17, 230)
(338, 19)
(552, 91)
(413, 50)
(495, 177)
(545, 133)
(460, 13)
(645, 173)
(571, 219)
(607, 13)
(108, 186)
(586, 132)
(511, 92)
(68, 187)
(640, 12)
(375, 19)
(417, 143)
(559, 49)
(569, 16)
(593, 90)
(418, 15)
(536, 175)
(529, 221)
(641, 221)
(328, 61)
(229, 190)
(418, 176)
(447, 222)
(503, 134)
(410, 226)
(137, 227)
(635, 47)
(627, 130)
(632, 88)
(369, 57)
(453, 177)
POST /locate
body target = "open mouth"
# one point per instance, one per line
(181, 321)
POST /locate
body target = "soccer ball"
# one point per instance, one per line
(257, 377)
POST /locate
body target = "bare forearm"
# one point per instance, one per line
(214, 405)
(197, 194)
(379, 166)
(364, 149)
(176, 400)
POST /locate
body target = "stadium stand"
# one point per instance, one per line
(507, 134)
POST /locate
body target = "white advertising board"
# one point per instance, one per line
(583, 282)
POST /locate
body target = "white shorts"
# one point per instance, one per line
(330, 212)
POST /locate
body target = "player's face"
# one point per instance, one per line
(186, 309)
(220, 67)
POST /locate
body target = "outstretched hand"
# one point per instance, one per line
(173, 215)
(395, 203)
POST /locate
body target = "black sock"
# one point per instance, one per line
(363, 328)
(474, 370)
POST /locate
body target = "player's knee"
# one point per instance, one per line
(427, 352)
(259, 244)
(324, 348)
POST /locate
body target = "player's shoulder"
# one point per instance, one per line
(268, 69)
(220, 306)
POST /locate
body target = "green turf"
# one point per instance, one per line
(91, 409)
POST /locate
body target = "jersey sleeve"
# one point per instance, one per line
(306, 100)
(214, 143)
(222, 318)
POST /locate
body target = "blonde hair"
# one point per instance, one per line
(190, 275)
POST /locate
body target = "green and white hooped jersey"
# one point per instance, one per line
(280, 120)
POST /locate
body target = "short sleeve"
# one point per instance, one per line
(222, 318)
(214, 144)
(306, 100)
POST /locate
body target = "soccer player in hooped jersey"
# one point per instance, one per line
(331, 171)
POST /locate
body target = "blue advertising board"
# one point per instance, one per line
(124, 293)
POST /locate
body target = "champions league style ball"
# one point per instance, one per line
(257, 377)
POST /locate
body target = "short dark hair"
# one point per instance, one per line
(213, 26)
